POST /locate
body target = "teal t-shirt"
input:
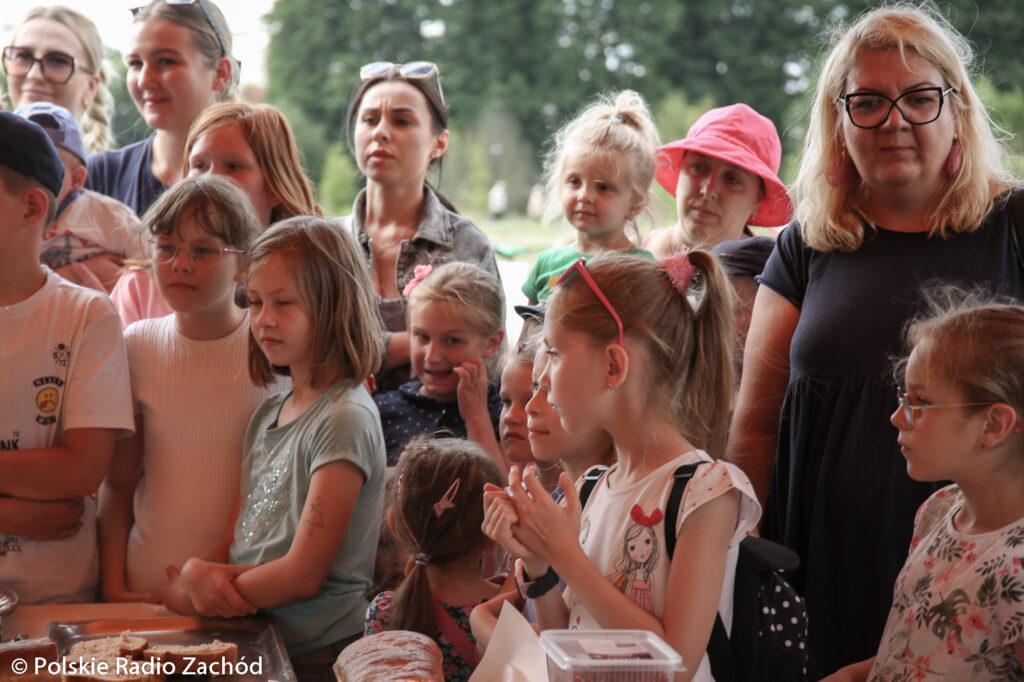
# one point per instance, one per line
(552, 263)
(278, 462)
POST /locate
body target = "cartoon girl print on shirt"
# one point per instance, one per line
(639, 558)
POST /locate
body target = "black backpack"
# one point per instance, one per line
(769, 619)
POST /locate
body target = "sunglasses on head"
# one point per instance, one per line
(207, 12)
(417, 71)
(581, 267)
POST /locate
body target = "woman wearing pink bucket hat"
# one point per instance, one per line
(724, 176)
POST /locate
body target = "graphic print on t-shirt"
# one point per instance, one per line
(639, 558)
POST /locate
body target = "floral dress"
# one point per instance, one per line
(958, 607)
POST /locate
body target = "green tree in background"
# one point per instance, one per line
(537, 61)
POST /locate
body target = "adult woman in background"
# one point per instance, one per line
(56, 55)
(724, 177)
(397, 127)
(251, 144)
(179, 62)
(899, 186)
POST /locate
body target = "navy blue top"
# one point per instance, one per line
(840, 494)
(406, 413)
(125, 175)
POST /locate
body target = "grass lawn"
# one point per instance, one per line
(521, 238)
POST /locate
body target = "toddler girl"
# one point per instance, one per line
(313, 464)
(635, 349)
(436, 514)
(456, 323)
(957, 603)
(169, 491)
(598, 175)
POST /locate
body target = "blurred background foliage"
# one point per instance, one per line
(514, 70)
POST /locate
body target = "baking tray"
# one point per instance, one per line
(257, 639)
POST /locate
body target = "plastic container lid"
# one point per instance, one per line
(628, 649)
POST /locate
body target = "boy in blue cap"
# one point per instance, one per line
(64, 391)
(92, 233)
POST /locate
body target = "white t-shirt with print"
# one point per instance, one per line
(622, 531)
(64, 367)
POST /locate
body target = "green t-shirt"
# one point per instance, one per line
(552, 263)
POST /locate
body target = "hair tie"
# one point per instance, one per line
(418, 274)
(421, 559)
(618, 117)
(680, 271)
(446, 500)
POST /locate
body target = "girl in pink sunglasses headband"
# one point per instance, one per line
(724, 176)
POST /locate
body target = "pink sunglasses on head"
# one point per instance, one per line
(581, 267)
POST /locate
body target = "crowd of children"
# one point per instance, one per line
(205, 400)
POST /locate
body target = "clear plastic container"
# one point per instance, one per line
(609, 656)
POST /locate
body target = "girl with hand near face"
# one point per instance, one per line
(169, 491)
(724, 176)
(635, 350)
(397, 128)
(56, 55)
(179, 62)
(251, 144)
(599, 176)
(456, 324)
(900, 184)
(958, 420)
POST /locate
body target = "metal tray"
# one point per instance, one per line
(257, 639)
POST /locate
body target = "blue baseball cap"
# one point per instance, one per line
(58, 123)
(25, 147)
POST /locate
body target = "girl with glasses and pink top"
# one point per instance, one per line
(957, 603)
(641, 351)
(901, 183)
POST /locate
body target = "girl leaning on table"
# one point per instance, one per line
(635, 349)
(303, 545)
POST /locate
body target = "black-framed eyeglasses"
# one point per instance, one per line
(199, 253)
(207, 12)
(909, 410)
(56, 67)
(417, 71)
(918, 107)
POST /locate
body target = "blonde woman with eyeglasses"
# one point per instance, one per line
(56, 55)
(397, 128)
(901, 183)
(179, 62)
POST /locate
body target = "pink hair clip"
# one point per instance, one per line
(680, 271)
(446, 500)
(418, 274)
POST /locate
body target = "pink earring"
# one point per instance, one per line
(955, 161)
(838, 174)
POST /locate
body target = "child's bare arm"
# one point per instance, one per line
(858, 672)
(82, 462)
(484, 617)
(116, 515)
(472, 397)
(299, 574)
(51, 520)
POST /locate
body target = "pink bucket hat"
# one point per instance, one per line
(738, 135)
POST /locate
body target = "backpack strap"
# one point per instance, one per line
(590, 480)
(1016, 206)
(719, 649)
(681, 476)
